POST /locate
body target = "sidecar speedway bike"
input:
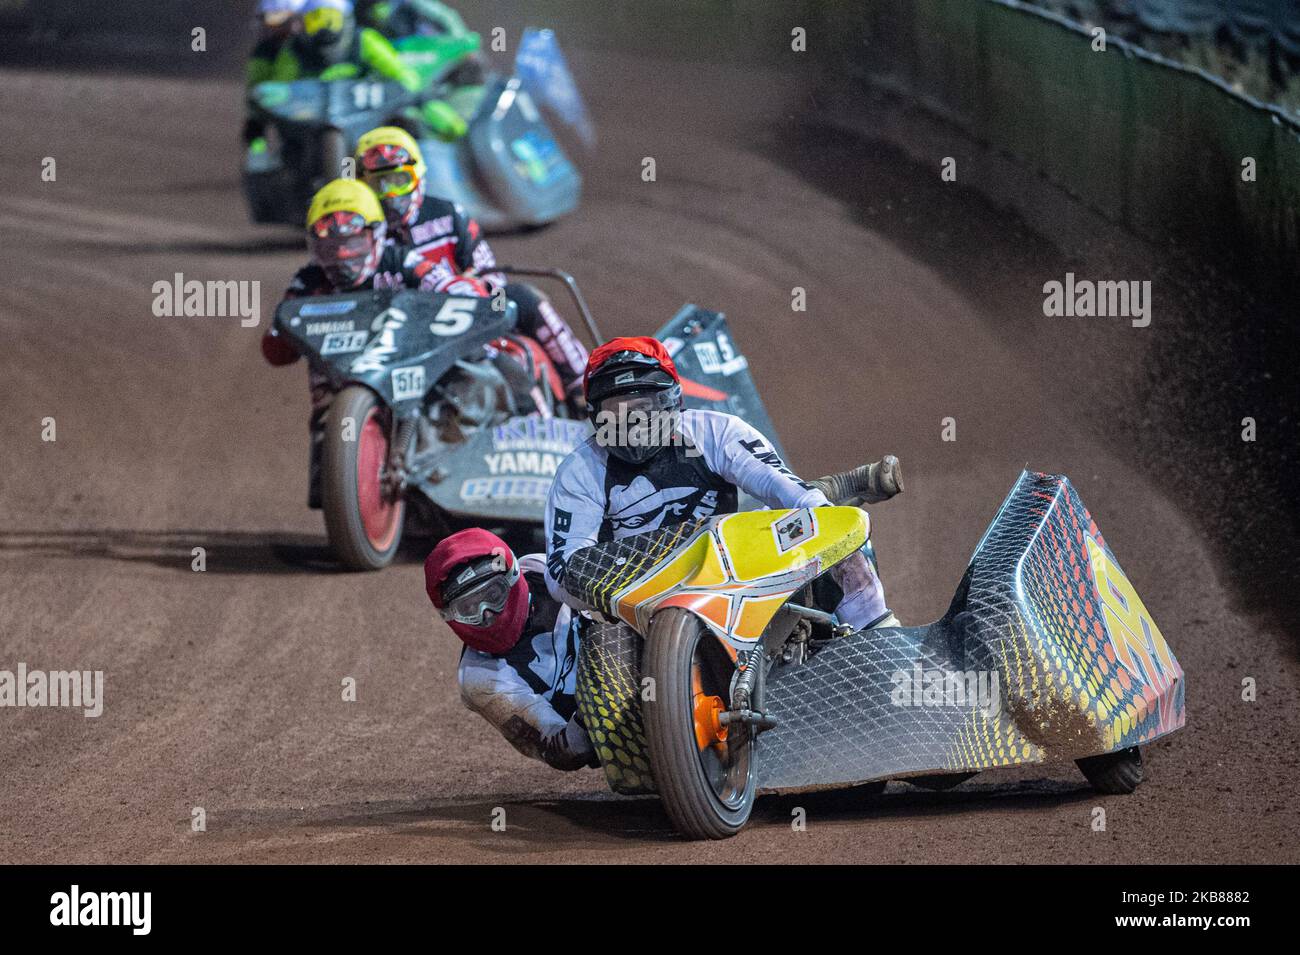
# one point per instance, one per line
(717, 673)
(439, 405)
(508, 172)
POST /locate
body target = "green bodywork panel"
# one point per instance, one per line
(432, 57)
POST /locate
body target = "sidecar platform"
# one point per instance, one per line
(1045, 654)
(509, 171)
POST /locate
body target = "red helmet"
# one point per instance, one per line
(473, 579)
(634, 397)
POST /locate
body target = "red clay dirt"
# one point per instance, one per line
(223, 688)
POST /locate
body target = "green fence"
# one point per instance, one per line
(1154, 146)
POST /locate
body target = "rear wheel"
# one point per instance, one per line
(705, 772)
(363, 520)
(1116, 774)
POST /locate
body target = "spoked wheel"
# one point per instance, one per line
(363, 520)
(705, 772)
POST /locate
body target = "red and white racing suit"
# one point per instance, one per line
(447, 242)
(597, 497)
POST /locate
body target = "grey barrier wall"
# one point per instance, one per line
(1168, 152)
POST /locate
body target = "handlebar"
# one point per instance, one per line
(570, 283)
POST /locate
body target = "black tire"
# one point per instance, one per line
(333, 152)
(1115, 774)
(940, 782)
(699, 808)
(350, 522)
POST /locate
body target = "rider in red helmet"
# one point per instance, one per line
(518, 667)
(652, 464)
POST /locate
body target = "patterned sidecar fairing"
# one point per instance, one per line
(1081, 667)
(1043, 606)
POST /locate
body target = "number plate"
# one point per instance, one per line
(342, 343)
(408, 383)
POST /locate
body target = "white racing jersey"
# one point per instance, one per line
(597, 497)
(527, 692)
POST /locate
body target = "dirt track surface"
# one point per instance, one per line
(223, 688)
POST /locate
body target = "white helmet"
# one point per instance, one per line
(283, 8)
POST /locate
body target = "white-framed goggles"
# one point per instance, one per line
(478, 588)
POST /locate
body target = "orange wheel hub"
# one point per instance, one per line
(709, 730)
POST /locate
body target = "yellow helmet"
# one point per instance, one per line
(396, 139)
(345, 232)
(345, 195)
(389, 159)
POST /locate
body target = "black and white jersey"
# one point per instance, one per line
(597, 497)
(527, 693)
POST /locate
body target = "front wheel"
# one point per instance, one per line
(705, 773)
(363, 521)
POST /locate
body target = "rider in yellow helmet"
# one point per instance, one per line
(450, 244)
(345, 233)
(347, 238)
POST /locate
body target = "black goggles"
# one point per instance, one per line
(624, 372)
(639, 406)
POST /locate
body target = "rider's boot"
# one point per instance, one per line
(863, 603)
(869, 484)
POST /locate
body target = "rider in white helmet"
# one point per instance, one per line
(277, 21)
